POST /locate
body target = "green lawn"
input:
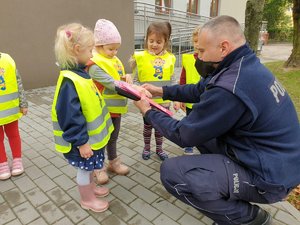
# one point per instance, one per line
(290, 79)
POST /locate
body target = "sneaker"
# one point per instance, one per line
(17, 167)
(4, 171)
(162, 155)
(146, 154)
(188, 151)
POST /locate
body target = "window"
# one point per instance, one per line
(164, 5)
(214, 8)
(192, 6)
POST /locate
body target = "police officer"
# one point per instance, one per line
(244, 124)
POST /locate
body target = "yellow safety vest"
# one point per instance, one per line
(192, 75)
(113, 67)
(99, 124)
(156, 70)
(9, 94)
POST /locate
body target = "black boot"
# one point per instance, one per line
(262, 218)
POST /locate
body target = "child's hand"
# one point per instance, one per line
(85, 151)
(176, 105)
(127, 78)
(24, 111)
(142, 90)
(183, 107)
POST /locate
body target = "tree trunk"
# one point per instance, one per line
(294, 59)
(253, 19)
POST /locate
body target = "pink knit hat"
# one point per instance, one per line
(105, 33)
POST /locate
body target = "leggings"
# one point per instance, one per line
(12, 132)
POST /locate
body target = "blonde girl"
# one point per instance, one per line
(81, 122)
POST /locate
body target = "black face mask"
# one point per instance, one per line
(205, 68)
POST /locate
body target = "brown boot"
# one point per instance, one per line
(101, 176)
(99, 191)
(117, 167)
(89, 201)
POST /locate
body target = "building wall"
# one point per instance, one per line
(234, 8)
(28, 30)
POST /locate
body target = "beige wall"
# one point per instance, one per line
(234, 8)
(28, 31)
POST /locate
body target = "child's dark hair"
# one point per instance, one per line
(162, 29)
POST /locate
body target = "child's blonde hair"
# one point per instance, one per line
(67, 37)
(162, 29)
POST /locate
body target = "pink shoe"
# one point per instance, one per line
(4, 171)
(98, 191)
(17, 167)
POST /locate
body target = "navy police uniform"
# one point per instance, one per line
(246, 128)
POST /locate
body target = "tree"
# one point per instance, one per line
(253, 19)
(294, 59)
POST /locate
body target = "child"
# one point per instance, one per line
(13, 105)
(81, 122)
(155, 65)
(189, 75)
(105, 68)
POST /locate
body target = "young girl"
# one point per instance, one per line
(189, 75)
(13, 105)
(155, 65)
(81, 122)
(105, 68)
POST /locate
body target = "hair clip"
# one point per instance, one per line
(68, 33)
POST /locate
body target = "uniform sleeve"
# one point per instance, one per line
(216, 113)
(102, 77)
(23, 100)
(69, 115)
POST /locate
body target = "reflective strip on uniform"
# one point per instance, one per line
(99, 137)
(9, 112)
(158, 83)
(60, 141)
(116, 102)
(9, 97)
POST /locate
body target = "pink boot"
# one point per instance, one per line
(89, 200)
(99, 191)
(17, 167)
(4, 171)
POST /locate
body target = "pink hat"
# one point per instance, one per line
(105, 33)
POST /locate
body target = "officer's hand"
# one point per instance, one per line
(142, 90)
(155, 91)
(143, 105)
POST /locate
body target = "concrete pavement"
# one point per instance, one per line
(47, 193)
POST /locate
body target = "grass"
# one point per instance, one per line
(290, 79)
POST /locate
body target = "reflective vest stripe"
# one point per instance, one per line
(9, 97)
(9, 112)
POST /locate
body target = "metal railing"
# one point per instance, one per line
(183, 24)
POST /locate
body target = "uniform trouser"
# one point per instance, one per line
(218, 187)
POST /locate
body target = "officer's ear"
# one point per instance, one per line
(225, 48)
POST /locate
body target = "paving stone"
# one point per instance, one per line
(125, 181)
(190, 220)
(45, 183)
(164, 220)
(64, 221)
(26, 213)
(121, 210)
(144, 193)
(286, 218)
(74, 211)
(143, 169)
(39, 221)
(143, 180)
(25, 184)
(64, 182)
(51, 171)
(6, 185)
(58, 196)
(144, 209)
(168, 209)
(40, 162)
(50, 212)
(113, 220)
(14, 197)
(6, 214)
(36, 197)
(123, 194)
(89, 221)
(139, 220)
(14, 222)
(34, 172)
